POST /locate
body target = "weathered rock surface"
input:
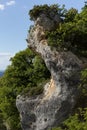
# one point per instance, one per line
(59, 98)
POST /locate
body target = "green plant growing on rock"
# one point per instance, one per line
(71, 33)
(46, 9)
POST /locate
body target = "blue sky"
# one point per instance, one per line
(14, 23)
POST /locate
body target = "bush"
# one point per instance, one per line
(23, 76)
(38, 10)
(71, 34)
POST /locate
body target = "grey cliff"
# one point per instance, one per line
(60, 94)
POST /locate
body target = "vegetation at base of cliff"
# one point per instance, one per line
(76, 122)
(71, 33)
(26, 75)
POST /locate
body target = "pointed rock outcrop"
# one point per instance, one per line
(59, 97)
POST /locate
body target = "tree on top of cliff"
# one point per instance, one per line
(48, 10)
(71, 34)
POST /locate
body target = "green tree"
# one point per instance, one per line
(54, 9)
(70, 15)
(71, 34)
(25, 75)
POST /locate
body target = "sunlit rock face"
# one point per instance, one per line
(59, 97)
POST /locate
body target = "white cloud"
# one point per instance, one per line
(9, 3)
(12, 2)
(5, 60)
(2, 6)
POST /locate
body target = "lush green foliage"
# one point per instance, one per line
(84, 82)
(71, 34)
(25, 75)
(76, 122)
(2, 126)
(70, 15)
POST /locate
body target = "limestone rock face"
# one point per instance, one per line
(59, 97)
